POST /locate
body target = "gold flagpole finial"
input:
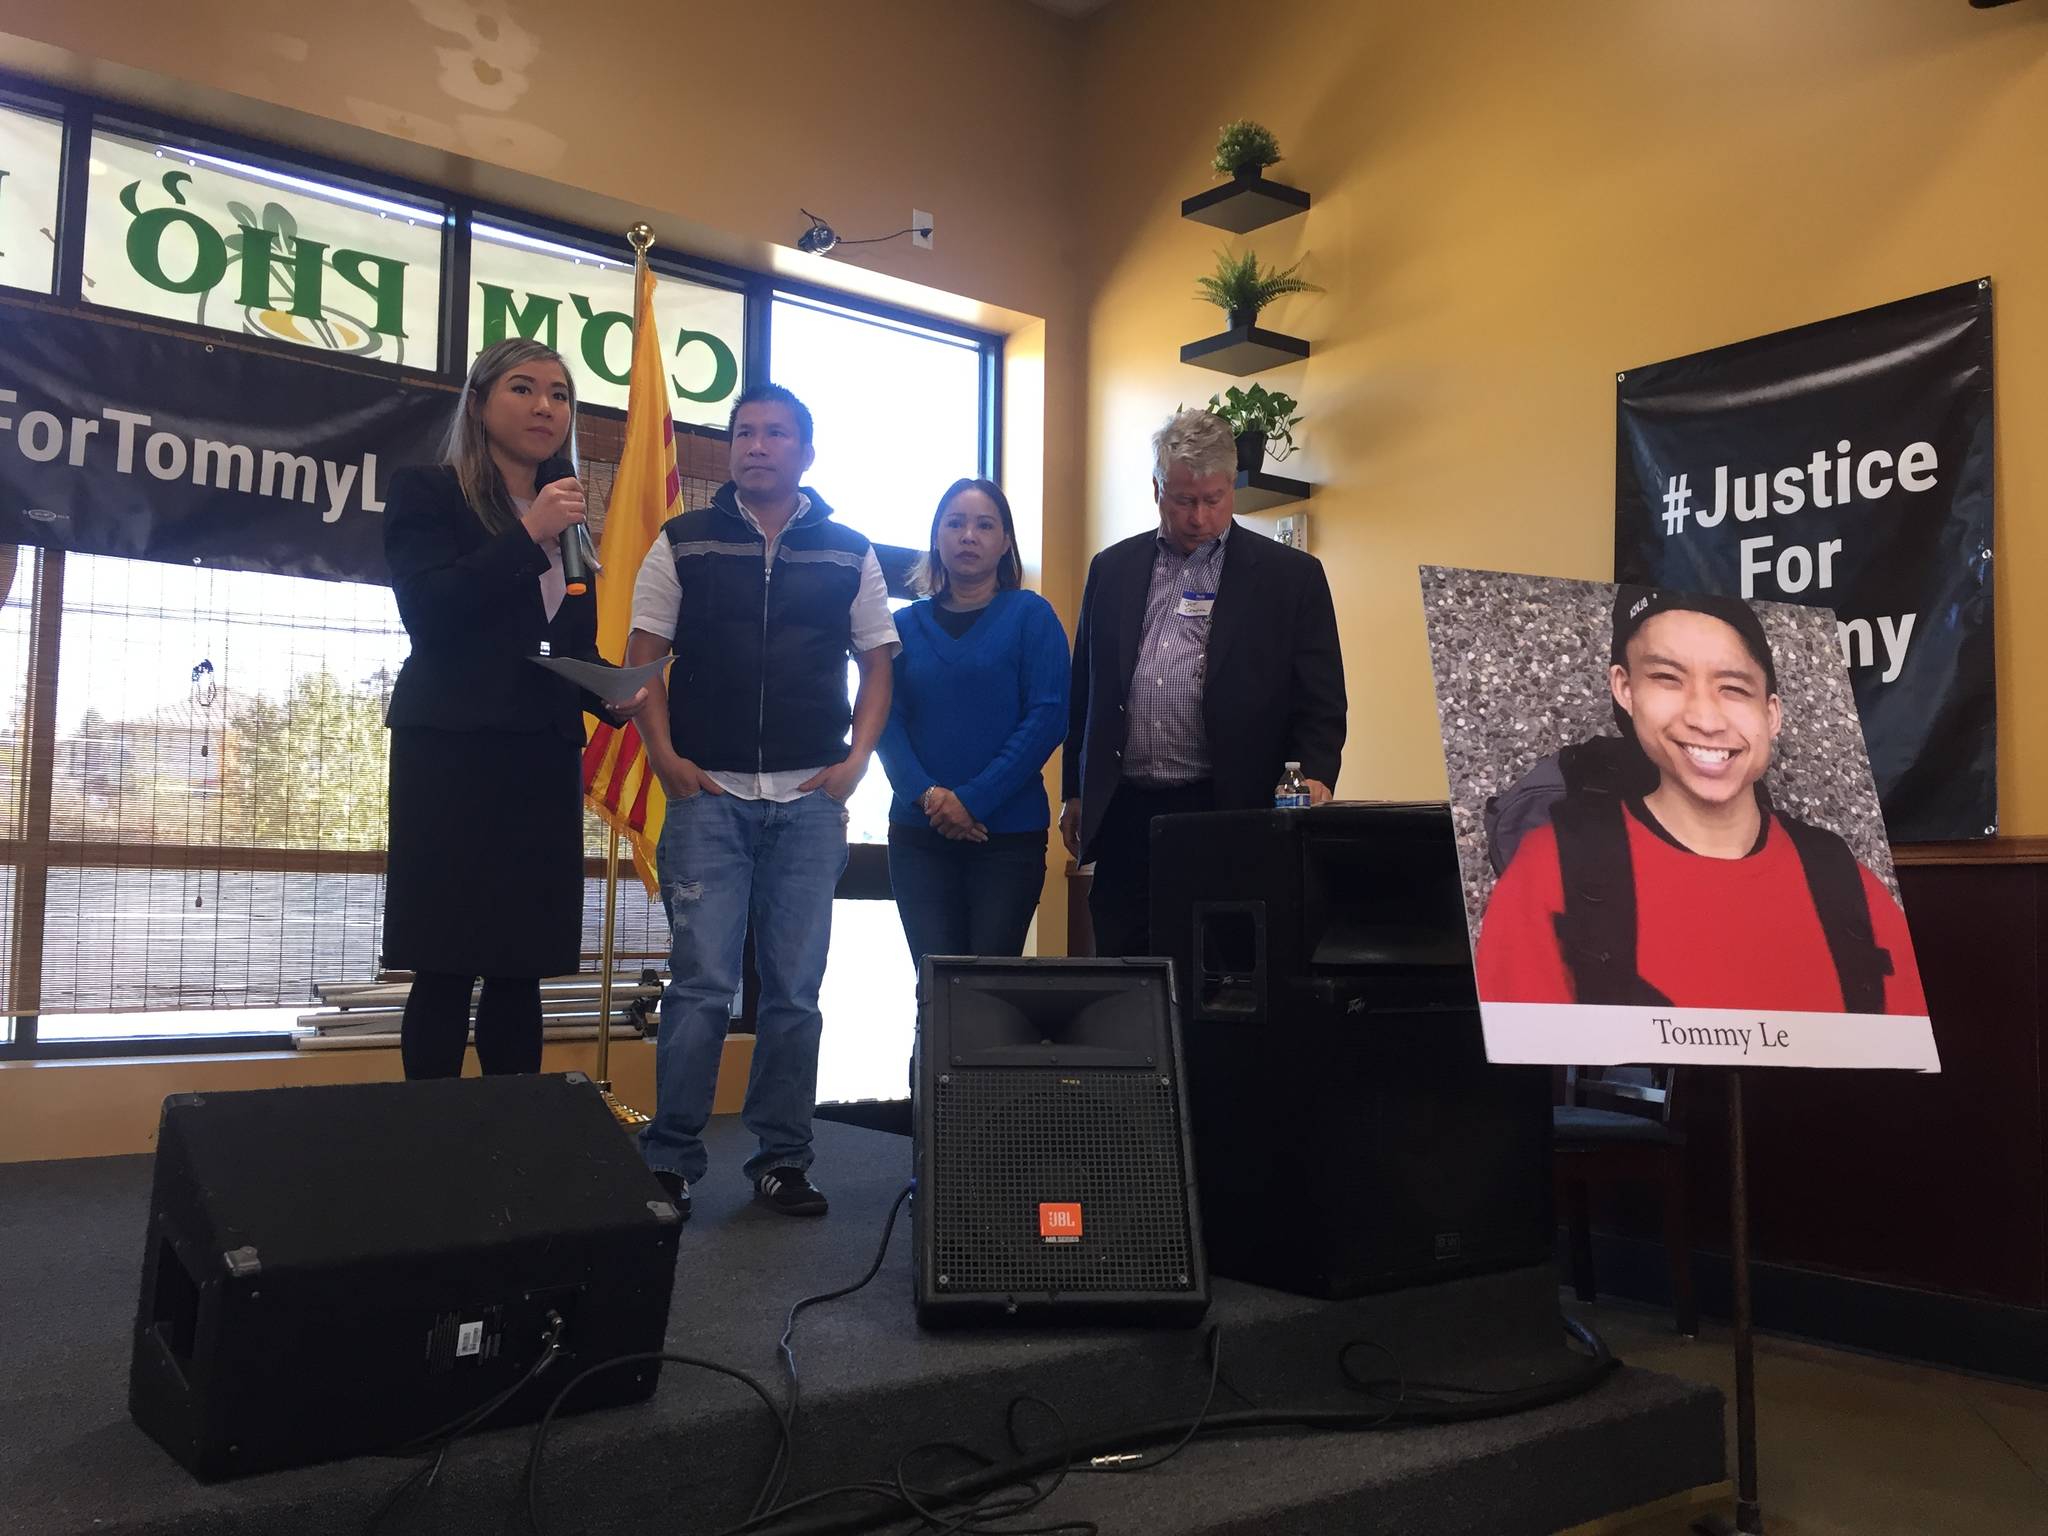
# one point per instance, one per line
(640, 237)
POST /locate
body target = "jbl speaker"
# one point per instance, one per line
(1350, 1135)
(1049, 1114)
(331, 1271)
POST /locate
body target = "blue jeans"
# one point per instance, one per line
(722, 859)
(963, 898)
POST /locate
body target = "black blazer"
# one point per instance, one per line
(471, 601)
(1273, 691)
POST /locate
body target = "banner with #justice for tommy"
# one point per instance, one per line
(1844, 465)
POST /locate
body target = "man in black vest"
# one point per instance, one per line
(1205, 660)
(761, 596)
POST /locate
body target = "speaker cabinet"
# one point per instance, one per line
(330, 1271)
(1350, 1135)
(1050, 1129)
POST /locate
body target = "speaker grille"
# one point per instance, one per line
(1009, 1140)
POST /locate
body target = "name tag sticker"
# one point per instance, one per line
(1196, 605)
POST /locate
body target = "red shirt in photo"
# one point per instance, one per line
(1710, 933)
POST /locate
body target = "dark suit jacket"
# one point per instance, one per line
(471, 601)
(1272, 693)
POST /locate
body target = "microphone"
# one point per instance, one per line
(578, 558)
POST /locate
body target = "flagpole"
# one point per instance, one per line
(627, 1116)
(640, 237)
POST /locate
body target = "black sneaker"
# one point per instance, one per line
(790, 1192)
(677, 1188)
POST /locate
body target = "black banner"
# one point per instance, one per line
(1845, 465)
(119, 441)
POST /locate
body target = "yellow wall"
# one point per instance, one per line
(1513, 203)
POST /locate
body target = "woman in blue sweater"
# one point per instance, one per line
(980, 704)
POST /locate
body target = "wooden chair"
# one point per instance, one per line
(1617, 1126)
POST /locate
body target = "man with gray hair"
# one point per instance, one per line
(1205, 661)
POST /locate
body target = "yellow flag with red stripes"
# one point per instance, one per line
(618, 782)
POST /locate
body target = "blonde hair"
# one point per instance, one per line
(1198, 439)
(468, 450)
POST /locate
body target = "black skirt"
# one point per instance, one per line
(486, 854)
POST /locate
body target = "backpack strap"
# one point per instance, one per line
(1835, 881)
(1596, 932)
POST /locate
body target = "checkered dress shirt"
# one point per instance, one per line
(1164, 742)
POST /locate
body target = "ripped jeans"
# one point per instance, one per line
(722, 858)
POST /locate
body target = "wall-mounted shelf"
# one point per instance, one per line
(1244, 349)
(1258, 491)
(1245, 203)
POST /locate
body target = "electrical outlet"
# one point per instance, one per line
(1292, 530)
(920, 221)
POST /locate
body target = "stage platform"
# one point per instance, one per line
(873, 1387)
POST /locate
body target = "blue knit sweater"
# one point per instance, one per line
(979, 715)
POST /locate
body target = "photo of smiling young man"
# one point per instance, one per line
(1675, 882)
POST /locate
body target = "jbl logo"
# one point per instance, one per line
(1059, 1223)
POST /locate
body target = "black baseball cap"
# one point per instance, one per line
(1636, 606)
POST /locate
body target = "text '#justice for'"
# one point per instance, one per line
(1842, 480)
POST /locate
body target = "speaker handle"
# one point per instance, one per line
(1229, 980)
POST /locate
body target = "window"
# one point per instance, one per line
(581, 304)
(222, 708)
(17, 578)
(31, 164)
(869, 1000)
(187, 235)
(898, 410)
(204, 718)
(17, 587)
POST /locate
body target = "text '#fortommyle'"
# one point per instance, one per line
(42, 437)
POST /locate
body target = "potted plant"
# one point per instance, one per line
(1241, 289)
(1245, 148)
(1263, 421)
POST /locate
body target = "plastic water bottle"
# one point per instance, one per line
(1291, 793)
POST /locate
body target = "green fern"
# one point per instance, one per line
(1239, 284)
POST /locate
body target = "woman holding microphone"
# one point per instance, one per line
(979, 705)
(485, 873)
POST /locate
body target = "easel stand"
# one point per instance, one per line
(1749, 1515)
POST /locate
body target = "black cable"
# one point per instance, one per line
(1400, 1377)
(1409, 1410)
(909, 1497)
(1216, 1348)
(998, 1491)
(971, 1519)
(540, 1433)
(777, 1479)
(786, 1347)
(915, 229)
(1120, 1464)
(443, 1439)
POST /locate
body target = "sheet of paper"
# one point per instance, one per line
(615, 685)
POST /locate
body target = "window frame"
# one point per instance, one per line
(37, 104)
